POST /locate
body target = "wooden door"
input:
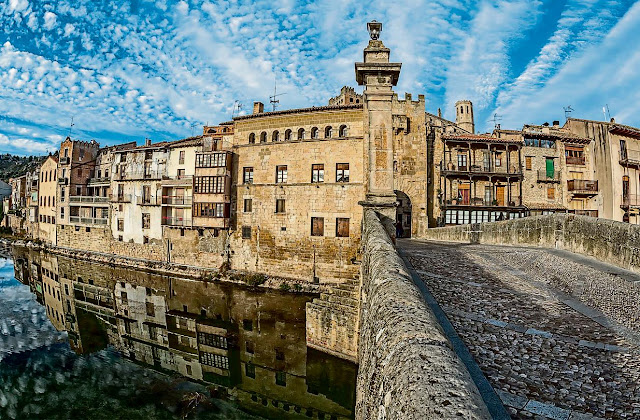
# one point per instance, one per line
(500, 195)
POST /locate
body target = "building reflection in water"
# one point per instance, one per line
(248, 344)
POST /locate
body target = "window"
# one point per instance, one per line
(247, 175)
(212, 340)
(280, 208)
(342, 172)
(151, 310)
(215, 360)
(343, 132)
(498, 158)
(62, 212)
(250, 370)
(146, 220)
(247, 324)
(281, 174)
(287, 135)
(317, 226)
(574, 155)
(209, 184)
(252, 138)
(217, 210)
(328, 131)
(181, 158)
(263, 137)
(246, 233)
(279, 354)
(78, 190)
(146, 194)
(315, 133)
(281, 378)
(215, 160)
(145, 239)
(462, 161)
(248, 205)
(250, 347)
(342, 227)
(120, 225)
(275, 136)
(181, 173)
(317, 172)
(148, 155)
(527, 162)
(551, 193)
(301, 134)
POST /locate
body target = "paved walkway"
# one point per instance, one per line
(556, 335)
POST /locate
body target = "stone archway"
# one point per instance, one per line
(403, 215)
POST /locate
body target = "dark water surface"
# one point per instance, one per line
(83, 340)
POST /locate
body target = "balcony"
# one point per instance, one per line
(136, 176)
(582, 187)
(121, 198)
(63, 181)
(64, 160)
(481, 202)
(89, 220)
(180, 180)
(99, 180)
(576, 160)
(487, 170)
(544, 177)
(630, 200)
(176, 221)
(174, 200)
(630, 158)
(148, 201)
(81, 199)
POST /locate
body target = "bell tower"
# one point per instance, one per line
(464, 116)
(378, 76)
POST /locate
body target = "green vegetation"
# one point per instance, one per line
(285, 287)
(14, 166)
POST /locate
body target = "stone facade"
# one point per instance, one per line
(47, 209)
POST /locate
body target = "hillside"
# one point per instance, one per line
(14, 166)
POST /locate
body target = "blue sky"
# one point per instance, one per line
(126, 70)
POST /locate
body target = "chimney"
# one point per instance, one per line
(556, 123)
(147, 142)
(258, 107)
(613, 120)
(439, 113)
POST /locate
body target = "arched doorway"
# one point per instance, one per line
(403, 215)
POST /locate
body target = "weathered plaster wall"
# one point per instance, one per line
(408, 369)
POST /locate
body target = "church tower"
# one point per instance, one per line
(378, 76)
(464, 116)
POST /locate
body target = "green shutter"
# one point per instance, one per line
(550, 168)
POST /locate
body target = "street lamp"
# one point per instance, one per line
(374, 27)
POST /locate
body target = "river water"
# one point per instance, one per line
(84, 340)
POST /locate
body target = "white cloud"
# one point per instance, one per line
(18, 5)
(68, 29)
(50, 20)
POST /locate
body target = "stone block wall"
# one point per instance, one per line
(408, 369)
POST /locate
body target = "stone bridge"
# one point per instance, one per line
(470, 328)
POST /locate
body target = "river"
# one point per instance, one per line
(85, 340)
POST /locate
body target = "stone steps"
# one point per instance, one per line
(347, 301)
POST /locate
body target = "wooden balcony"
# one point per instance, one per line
(543, 176)
(88, 200)
(573, 160)
(454, 171)
(176, 221)
(582, 187)
(630, 158)
(175, 200)
(630, 200)
(89, 220)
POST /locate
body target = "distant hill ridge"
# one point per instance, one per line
(12, 166)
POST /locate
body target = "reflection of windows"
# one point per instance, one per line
(279, 354)
(250, 370)
(247, 324)
(215, 360)
(250, 347)
(151, 310)
(281, 378)
(212, 340)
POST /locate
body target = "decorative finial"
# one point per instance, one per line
(374, 27)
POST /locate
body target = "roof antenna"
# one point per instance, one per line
(495, 120)
(608, 113)
(272, 99)
(193, 126)
(237, 107)
(567, 112)
(70, 127)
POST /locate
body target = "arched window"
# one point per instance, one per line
(328, 132)
(314, 133)
(252, 138)
(357, 101)
(263, 137)
(301, 134)
(462, 110)
(275, 136)
(343, 131)
(287, 135)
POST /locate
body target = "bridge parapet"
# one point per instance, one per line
(407, 367)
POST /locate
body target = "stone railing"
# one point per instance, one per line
(613, 242)
(408, 369)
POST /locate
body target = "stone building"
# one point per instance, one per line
(48, 193)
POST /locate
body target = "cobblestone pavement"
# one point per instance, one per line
(554, 337)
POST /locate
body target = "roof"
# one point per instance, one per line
(545, 206)
(482, 138)
(625, 130)
(299, 111)
(440, 118)
(189, 141)
(564, 136)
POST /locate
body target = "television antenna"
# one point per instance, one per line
(272, 99)
(496, 118)
(193, 126)
(70, 127)
(567, 112)
(237, 107)
(607, 114)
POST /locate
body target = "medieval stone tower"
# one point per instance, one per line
(464, 115)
